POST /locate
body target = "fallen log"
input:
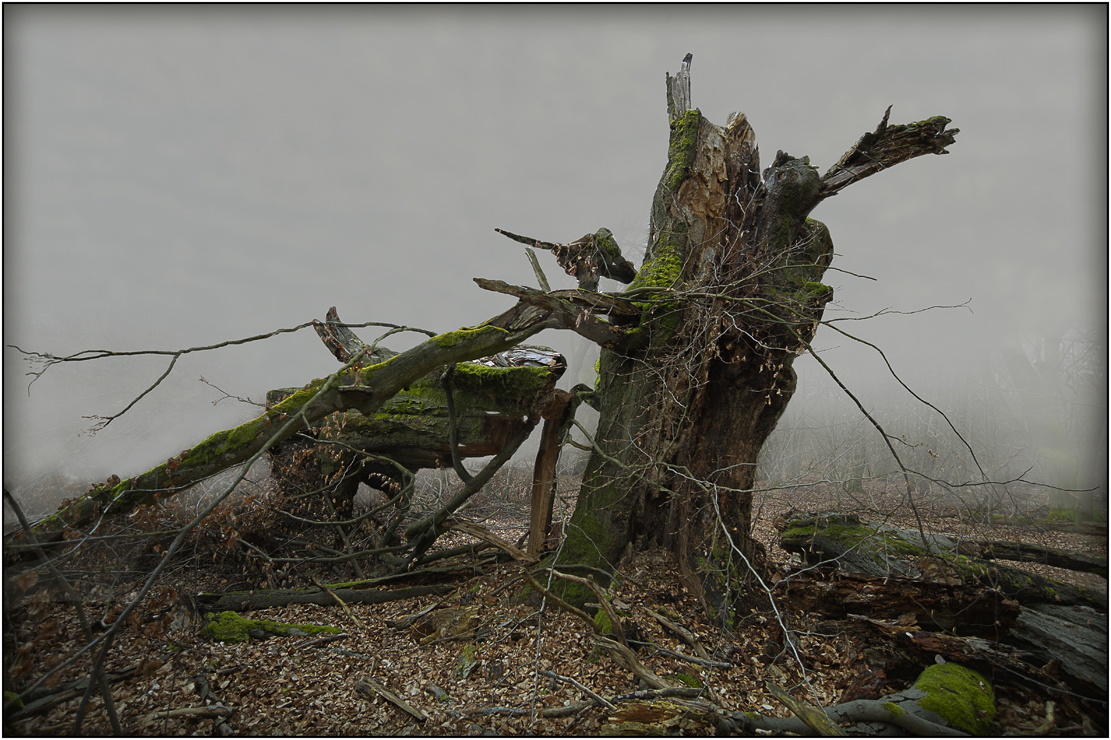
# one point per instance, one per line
(265, 599)
(855, 545)
(946, 700)
(368, 388)
(1075, 638)
(1037, 653)
(1031, 553)
(968, 610)
(413, 428)
(969, 624)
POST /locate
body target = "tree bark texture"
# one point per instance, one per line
(730, 294)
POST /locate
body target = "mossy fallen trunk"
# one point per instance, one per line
(855, 545)
(368, 388)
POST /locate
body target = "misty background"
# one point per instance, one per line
(178, 176)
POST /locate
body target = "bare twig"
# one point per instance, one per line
(567, 679)
(367, 687)
(339, 601)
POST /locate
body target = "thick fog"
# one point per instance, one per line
(181, 176)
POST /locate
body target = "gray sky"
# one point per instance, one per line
(177, 176)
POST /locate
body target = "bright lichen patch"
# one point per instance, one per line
(959, 695)
(232, 627)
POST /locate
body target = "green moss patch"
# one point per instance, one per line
(233, 627)
(682, 147)
(894, 708)
(686, 679)
(960, 696)
(452, 338)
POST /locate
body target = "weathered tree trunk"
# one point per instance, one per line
(730, 294)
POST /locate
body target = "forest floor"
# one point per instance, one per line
(526, 653)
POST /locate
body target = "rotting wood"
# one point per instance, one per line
(1075, 639)
(587, 258)
(969, 610)
(1027, 657)
(556, 412)
(667, 717)
(731, 293)
(375, 384)
(343, 343)
(407, 621)
(446, 624)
